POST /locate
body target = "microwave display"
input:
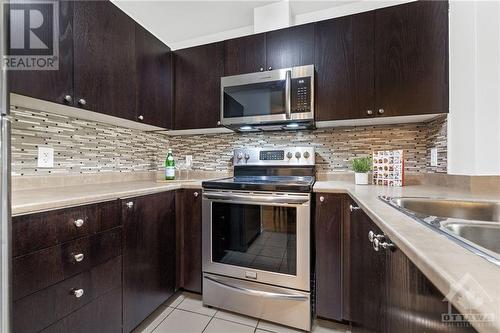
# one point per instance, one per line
(301, 94)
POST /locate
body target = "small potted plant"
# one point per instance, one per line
(361, 167)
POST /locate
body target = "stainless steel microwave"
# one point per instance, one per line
(272, 100)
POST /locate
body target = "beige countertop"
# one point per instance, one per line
(448, 265)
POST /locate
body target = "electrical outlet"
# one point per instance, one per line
(189, 160)
(45, 157)
(434, 157)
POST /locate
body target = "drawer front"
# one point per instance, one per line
(102, 315)
(37, 231)
(51, 304)
(36, 271)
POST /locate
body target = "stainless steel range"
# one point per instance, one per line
(256, 236)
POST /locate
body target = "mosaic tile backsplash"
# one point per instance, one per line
(82, 146)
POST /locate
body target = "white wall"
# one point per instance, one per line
(474, 119)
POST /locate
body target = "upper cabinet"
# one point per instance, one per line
(104, 63)
(411, 58)
(245, 55)
(51, 85)
(388, 62)
(154, 80)
(290, 47)
(197, 86)
(107, 64)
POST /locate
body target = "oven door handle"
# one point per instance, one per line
(260, 293)
(288, 199)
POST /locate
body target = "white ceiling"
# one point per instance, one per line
(178, 23)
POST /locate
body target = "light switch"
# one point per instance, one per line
(45, 157)
(434, 157)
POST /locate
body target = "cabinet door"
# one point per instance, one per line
(344, 67)
(148, 255)
(188, 216)
(411, 58)
(366, 275)
(197, 86)
(154, 79)
(104, 65)
(328, 243)
(245, 55)
(51, 85)
(290, 47)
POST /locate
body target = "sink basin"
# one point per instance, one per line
(467, 210)
(486, 235)
(473, 224)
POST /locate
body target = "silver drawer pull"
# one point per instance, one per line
(372, 236)
(77, 293)
(130, 204)
(353, 208)
(79, 257)
(78, 223)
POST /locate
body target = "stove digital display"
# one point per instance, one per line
(272, 155)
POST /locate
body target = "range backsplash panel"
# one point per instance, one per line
(82, 146)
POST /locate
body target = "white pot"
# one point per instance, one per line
(361, 178)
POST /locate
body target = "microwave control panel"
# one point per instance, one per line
(301, 94)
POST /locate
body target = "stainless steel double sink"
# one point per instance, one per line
(473, 224)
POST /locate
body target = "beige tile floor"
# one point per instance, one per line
(185, 313)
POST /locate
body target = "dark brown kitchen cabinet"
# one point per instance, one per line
(387, 292)
(188, 217)
(197, 86)
(411, 58)
(104, 59)
(290, 47)
(245, 55)
(50, 85)
(344, 62)
(148, 255)
(154, 79)
(329, 217)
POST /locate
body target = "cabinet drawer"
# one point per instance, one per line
(51, 304)
(37, 231)
(103, 315)
(38, 270)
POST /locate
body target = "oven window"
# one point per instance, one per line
(259, 237)
(259, 99)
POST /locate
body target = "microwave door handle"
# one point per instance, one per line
(288, 94)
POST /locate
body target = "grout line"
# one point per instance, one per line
(207, 324)
(154, 329)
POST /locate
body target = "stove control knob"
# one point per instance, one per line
(297, 154)
(289, 154)
(240, 156)
(247, 156)
(306, 154)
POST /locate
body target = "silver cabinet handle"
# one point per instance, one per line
(77, 293)
(130, 204)
(218, 123)
(369, 112)
(322, 198)
(196, 194)
(259, 293)
(381, 111)
(78, 257)
(387, 245)
(372, 236)
(78, 223)
(353, 208)
(82, 102)
(262, 69)
(141, 117)
(269, 68)
(68, 99)
(376, 244)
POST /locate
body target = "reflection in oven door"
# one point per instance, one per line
(254, 236)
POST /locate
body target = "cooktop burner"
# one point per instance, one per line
(290, 169)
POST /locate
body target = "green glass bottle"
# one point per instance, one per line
(170, 166)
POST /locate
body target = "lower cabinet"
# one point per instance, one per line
(387, 292)
(148, 255)
(188, 219)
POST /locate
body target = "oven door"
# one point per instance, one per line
(258, 236)
(275, 96)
